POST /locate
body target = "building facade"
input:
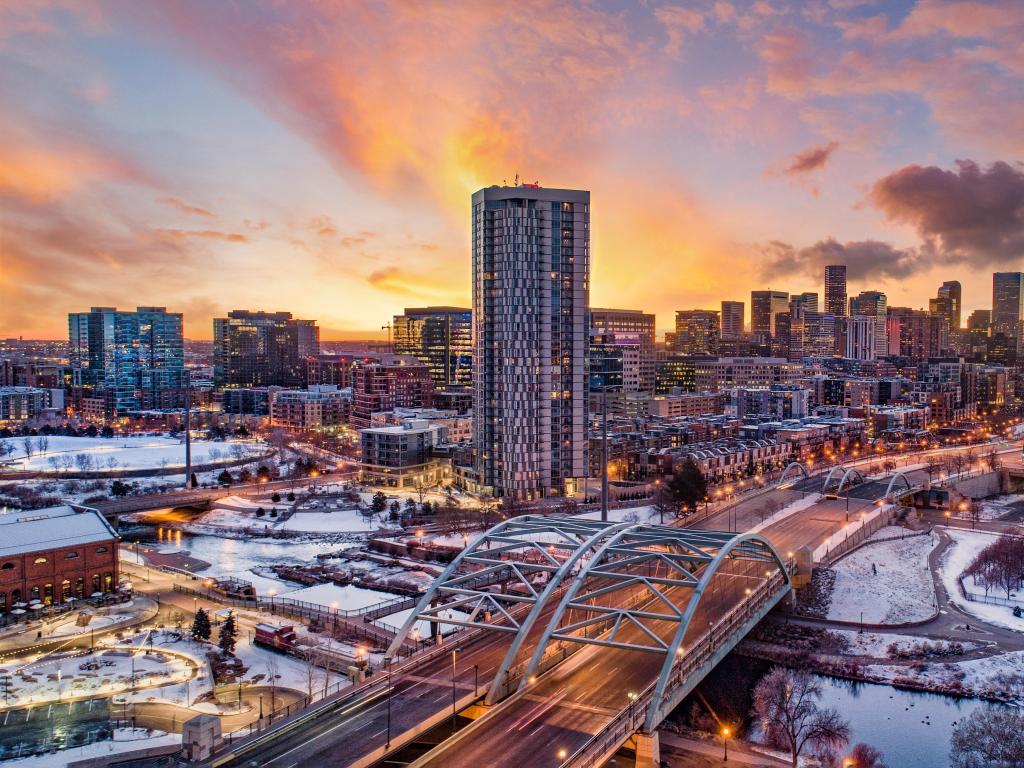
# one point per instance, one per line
(873, 304)
(764, 306)
(18, 404)
(697, 331)
(259, 349)
(622, 350)
(395, 381)
(318, 408)
(733, 320)
(441, 338)
(531, 287)
(835, 289)
(1008, 307)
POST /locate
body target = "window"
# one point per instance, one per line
(95, 582)
(101, 550)
(35, 592)
(80, 587)
(70, 555)
(7, 567)
(39, 560)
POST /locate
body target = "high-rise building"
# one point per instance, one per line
(980, 320)
(873, 304)
(130, 360)
(808, 301)
(442, 339)
(531, 287)
(732, 320)
(1008, 307)
(697, 331)
(916, 334)
(259, 349)
(948, 303)
(835, 289)
(308, 335)
(860, 337)
(811, 333)
(764, 306)
(622, 350)
(394, 381)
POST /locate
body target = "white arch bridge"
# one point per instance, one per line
(665, 604)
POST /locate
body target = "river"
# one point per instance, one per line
(911, 729)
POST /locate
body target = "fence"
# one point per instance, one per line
(974, 597)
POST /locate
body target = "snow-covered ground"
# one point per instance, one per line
(332, 520)
(876, 644)
(643, 515)
(124, 740)
(124, 452)
(966, 546)
(396, 621)
(1001, 675)
(345, 598)
(993, 509)
(887, 582)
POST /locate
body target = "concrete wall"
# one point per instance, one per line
(982, 486)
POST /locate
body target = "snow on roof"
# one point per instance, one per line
(51, 528)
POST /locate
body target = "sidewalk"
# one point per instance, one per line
(675, 746)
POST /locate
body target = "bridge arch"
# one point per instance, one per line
(679, 558)
(514, 550)
(898, 476)
(791, 465)
(846, 475)
(673, 656)
(828, 477)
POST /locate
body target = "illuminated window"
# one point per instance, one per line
(39, 560)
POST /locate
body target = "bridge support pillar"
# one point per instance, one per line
(648, 750)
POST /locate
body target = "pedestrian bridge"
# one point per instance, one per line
(611, 625)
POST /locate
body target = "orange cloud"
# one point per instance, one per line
(180, 205)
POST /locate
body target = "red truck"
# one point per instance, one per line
(273, 636)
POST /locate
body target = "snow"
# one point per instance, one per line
(125, 452)
(993, 509)
(625, 515)
(345, 598)
(124, 740)
(966, 546)
(999, 675)
(395, 622)
(846, 532)
(348, 520)
(900, 591)
(876, 644)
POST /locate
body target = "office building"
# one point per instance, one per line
(622, 350)
(1008, 307)
(18, 404)
(980, 320)
(732, 320)
(403, 456)
(259, 349)
(835, 289)
(697, 332)
(395, 381)
(873, 304)
(948, 303)
(860, 337)
(807, 301)
(320, 407)
(441, 338)
(126, 361)
(764, 306)
(531, 274)
(916, 334)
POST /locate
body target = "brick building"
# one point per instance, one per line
(56, 553)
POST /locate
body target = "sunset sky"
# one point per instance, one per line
(320, 157)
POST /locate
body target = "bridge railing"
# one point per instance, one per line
(631, 718)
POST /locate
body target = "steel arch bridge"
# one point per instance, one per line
(633, 587)
(851, 471)
(785, 473)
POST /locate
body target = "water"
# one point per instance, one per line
(911, 729)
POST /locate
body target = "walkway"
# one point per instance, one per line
(679, 750)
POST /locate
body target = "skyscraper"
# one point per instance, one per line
(441, 338)
(835, 289)
(531, 286)
(873, 304)
(1008, 306)
(697, 331)
(764, 306)
(808, 301)
(732, 320)
(259, 349)
(128, 359)
(948, 303)
(860, 337)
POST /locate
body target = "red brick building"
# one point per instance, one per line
(55, 553)
(395, 382)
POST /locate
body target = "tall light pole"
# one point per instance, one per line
(453, 691)
(188, 428)
(604, 454)
(725, 743)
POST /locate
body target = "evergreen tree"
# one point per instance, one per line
(379, 503)
(201, 626)
(225, 478)
(228, 635)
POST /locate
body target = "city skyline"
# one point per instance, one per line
(716, 179)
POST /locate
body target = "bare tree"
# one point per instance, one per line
(83, 461)
(29, 446)
(43, 444)
(272, 676)
(112, 462)
(665, 503)
(786, 704)
(988, 738)
(6, 448)
(992, 460)
(865, 756)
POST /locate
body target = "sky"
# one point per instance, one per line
(319, 157)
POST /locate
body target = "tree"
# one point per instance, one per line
(395, 508)
(291, 496)
(1000, 564)
(988, 738)
(228, 635)
(275, 497)
(410, 506)
(107, 431)
(665, 503)
(866, 756)
(29, 446)
(263, 472)
(786, 704)
(260, 512)
(201, 626)
(244, 475)
(119, 488)
(193, 481)
(426, 508)
(225, 478)
(379, 502)
(43, 444)
(687, 486)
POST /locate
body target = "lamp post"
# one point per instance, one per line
(453, 691)
(725, 744)
(388, 746)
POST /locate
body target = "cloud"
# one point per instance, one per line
(183, 207)
(679, 22)
(811, 159)
(202, 234)
(970, 214)
(864, 259)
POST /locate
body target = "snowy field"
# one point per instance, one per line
(1001, 675)
(333, 520)
(966, 546)
(132, 452)
(345, 598)
(876, 644)
(993, 509)
(888, 582)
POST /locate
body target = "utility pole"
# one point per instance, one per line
(604, 455)
(188, 429)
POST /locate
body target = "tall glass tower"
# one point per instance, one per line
(531, 289)
(835, 289)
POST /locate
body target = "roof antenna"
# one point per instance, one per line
(517, 180)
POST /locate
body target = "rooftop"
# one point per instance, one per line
(51, 528)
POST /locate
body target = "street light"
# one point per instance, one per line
(725, 743)
(453, 690)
